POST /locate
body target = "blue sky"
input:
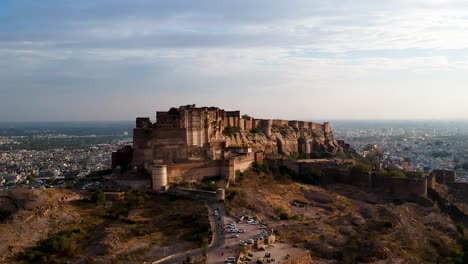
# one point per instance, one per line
(330, 59)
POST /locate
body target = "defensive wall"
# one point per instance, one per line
(167, 144)
(460, 188)
(258, 244)
(122, 156)
(399, 188)
(194, 194)
(198, 170)
(444, 176)
(134, 183)
(448, 177)
(167, 174)
(334, 169)
(190, 171)
(337, 170)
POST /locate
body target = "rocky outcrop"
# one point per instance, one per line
(303, 258)
(28, 216)
(287, 140)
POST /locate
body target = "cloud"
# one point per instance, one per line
(330, 56)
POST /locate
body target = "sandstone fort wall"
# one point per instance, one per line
(189, 171)
(194, 194)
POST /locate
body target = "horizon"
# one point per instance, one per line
(319, 120)
(300, 60)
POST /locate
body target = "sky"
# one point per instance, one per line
(70, 60)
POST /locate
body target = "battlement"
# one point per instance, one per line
(189, 132)
(444, 176)
(143, 122)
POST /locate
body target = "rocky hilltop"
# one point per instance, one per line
(190, 133)
(343, 224)
(27, 216)
(64, 226)
(286, 140)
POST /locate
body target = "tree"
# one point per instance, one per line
(98, 197)
(359, 169)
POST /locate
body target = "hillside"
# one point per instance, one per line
(341, 224)
(52, 225)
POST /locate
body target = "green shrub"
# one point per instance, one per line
(209, 187)
(320, 155)
(236, 197)
(359, 169)
(98, 197)
(135, 197)
(387, 224)
(231, 194)
(230, 130)
(239, 176)
(256, 130)
(63, 244)
(282, 214)
(312, 177)
(260, 167)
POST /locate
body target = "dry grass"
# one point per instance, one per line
(347, 226)
(130, 234)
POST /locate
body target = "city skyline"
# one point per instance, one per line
(305, 60)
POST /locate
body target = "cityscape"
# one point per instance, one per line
(425, 147)
(233, 132)
(48, 158)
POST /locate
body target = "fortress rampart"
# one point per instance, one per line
(194, 194)
(193, 133)
(444, 176)
(338, 170)
(197, 142)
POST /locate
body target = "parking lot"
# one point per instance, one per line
(233, 232)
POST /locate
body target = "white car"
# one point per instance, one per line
(235, 236)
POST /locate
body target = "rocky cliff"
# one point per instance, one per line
(287, 140)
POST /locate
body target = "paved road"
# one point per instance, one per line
(215, 254)
(180, 257)
(217, 238)
(227, 246)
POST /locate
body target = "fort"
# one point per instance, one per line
(191, 143)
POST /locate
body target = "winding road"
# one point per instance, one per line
(214, 249)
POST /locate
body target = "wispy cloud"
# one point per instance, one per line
(320, 59)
